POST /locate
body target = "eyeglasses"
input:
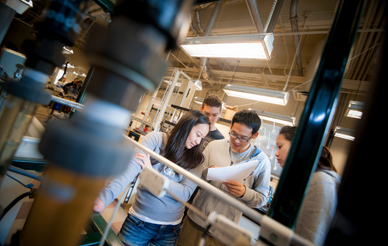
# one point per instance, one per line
(241, 140)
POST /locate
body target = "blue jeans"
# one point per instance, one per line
(136, 232)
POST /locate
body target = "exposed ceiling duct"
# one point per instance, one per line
(203, 64)
(294, 27)
(275, 16)
(255, 14)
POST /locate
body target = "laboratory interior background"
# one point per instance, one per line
(292, 35)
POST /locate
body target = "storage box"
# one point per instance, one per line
(230, 111)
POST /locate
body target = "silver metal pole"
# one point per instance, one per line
(252, 214)
(164, 95)
(66, 102)
(102, 241)
(137, 110)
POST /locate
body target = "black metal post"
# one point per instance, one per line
(317, 115)
(365, 169)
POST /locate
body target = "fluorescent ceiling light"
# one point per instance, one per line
(75, 73)
(256, 94)
(67, 50)
(277, 118)
(198, 84)
(198, 100)
(254, 46)
(68, 65)
(344, 133)
(83, 75)
(355, 109)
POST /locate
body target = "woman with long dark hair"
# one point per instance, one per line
(158, 220)
(320, 202)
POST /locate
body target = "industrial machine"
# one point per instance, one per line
(128, 59)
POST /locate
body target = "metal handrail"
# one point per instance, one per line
(66, 102)
(255, 216)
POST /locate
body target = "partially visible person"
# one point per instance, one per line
(320, 202)
(153, 220)
(252, 191)
(146, 128)
(71, 90)
(212, 108)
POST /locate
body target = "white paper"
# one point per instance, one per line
(236, 172)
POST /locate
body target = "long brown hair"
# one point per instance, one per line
(325, 160)
(175, 149)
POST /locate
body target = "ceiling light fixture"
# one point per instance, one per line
(68, 65)
(67, 50)
(198, 84)
(256, 94)
(355, 109)
(198, 100)
(344, 133)
(254, 46)
(277, 118)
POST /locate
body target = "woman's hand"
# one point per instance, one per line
(99, 205)
(144, 160)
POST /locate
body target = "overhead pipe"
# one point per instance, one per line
(270, 15)
(199, 22)
(294, 27)
(203, 64)
(255, 14)
(361, 38)
(362, 60)
(275, 16)
(192, 27)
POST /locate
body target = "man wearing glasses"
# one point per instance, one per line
(252, 191)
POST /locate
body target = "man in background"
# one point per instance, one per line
(212, 108)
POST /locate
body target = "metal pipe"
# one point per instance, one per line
(137, 110)
(178, 60)
(275, 16)
(255, 15)
(24, 173)
(209, 27)
(294, 27)
(270, 15)
(192, 27)
(374, 51)
(362, 61)
(252, 214)
(212, 19)
(360, 39)
(199, 22)
(66, 102)
(107, 227)
(164, 95)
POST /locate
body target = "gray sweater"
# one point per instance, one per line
(217, 153)
(159, 209)
(318, 207)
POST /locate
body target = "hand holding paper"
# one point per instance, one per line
(237, 172)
